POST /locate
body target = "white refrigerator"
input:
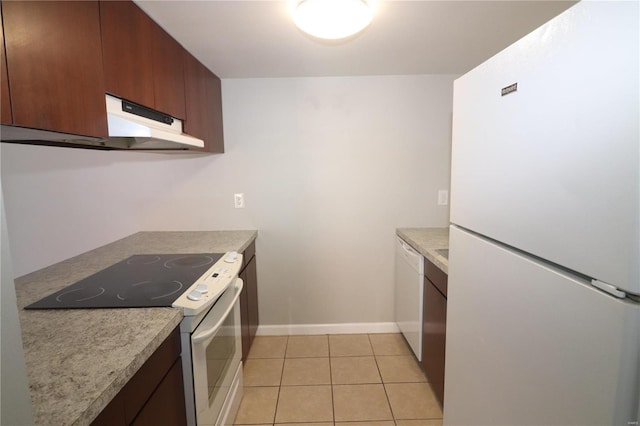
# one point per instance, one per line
(543, 309)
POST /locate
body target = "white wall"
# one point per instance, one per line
(15, 404)
(329, 167)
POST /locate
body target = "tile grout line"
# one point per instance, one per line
(333, 404)
(392, 421)
(393, 416)
(284, 357)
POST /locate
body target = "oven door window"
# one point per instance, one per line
(216, 358)
(221, 352)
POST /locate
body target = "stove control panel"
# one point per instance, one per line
(206, 290)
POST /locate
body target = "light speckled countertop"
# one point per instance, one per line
(79, 359)
(427, 241)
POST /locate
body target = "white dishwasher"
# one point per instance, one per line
(408, 294)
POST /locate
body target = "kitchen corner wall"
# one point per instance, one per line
(329, 168)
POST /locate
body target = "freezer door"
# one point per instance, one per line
(553, 168)
(529, 345)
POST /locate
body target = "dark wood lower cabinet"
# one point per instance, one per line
(434, 324)
(155, 394)
(166, 405)
(249, 319)
(113, 414)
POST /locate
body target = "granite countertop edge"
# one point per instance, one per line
(427, 241)
(128, 372)
(74, 374)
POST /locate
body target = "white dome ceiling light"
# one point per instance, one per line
(332, 19)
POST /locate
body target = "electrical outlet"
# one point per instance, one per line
(443, 197)
(238, 200)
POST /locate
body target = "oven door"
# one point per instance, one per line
(216, 349)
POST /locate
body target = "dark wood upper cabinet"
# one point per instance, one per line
(168, 74)
(143, 63)
(127, 37)
(215, 142)
(203, 104)
(59, 58)
(54, 63)
(5, 107)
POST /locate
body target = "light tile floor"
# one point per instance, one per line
(341, 380)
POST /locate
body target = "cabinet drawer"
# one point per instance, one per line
(436, 276)
(166, 405)
(126, 405)
(146, 380)
(248, 254)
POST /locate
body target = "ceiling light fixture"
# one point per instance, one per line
(332, 19)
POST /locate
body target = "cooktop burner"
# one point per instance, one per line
(145, 280)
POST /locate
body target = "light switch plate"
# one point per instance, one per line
(443, 197)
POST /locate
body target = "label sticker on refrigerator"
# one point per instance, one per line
(510, 89)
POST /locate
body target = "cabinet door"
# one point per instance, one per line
(203, 98)
(244, 317)
(249, 319)
(252, 299)
(127, 37)
(54, 62)
(168, 74)
(5, 107)
(215, 140)
(434, 337)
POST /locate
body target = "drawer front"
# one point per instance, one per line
(248, 253)
(436, 276)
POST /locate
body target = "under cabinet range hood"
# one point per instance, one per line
(135, 127)
(130, 127)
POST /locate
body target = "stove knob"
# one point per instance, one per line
(202, 288)
(195, 295)
(231, 257)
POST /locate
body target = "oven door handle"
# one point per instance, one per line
(203, 335)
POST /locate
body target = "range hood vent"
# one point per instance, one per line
(130, 126)
(137, 127)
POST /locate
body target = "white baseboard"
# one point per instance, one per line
(310, 329)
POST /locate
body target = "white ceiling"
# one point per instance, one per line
(249, 39)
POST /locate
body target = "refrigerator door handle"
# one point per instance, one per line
(609, 289)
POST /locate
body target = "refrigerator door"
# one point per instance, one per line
(553, 168)
(530, 345)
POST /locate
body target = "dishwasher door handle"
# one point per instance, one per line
(408, 249)
(410, 255)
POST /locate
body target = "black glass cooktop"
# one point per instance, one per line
(147, 280)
